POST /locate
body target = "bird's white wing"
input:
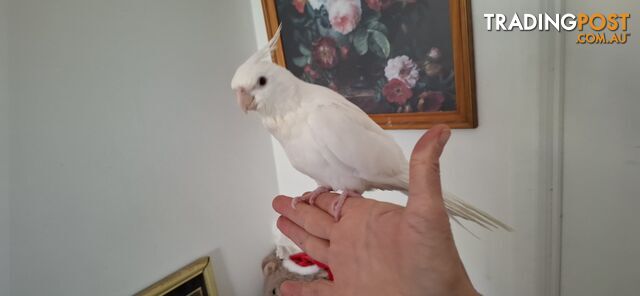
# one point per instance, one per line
(351, 137)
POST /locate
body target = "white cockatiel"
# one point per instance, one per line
(328, 138)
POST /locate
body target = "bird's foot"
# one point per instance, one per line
(310, 197)
(336, 207)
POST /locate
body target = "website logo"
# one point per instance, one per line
(596, 28)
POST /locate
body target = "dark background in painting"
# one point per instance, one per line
(190, 286)
(412, 29)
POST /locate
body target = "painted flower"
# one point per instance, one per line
(430, 101)
(344, 52)
(316, 4)
(299, 5)
(402, 68)
(344, 15)
(396, 91)
(435, 54)
(375, 4)
(433, 69)
(325, 53)
(311, 72)
(378, 5)
(407, 108)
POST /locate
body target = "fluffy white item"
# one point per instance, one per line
(302, 270)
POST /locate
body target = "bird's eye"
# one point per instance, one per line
(273, 292)
(262, 81)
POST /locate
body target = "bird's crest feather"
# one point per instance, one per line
(264, 53)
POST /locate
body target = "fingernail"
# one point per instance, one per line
(444, 135)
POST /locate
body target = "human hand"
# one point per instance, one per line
(379, 248)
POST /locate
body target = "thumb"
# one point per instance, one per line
(425, 191)
(299, 288)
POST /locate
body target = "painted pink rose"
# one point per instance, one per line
(344, 15)
(430, 101)
(396, 91)
(299, 5)
(344, 52)
(378, 5)
(325, 53)
(402, 68)
(375, 4)
(311, 72)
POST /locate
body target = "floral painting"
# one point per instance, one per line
(385, 56)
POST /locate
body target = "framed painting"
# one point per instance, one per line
(406, 63)
(195, 279)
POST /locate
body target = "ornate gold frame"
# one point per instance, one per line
(466, 115)
(174, 280)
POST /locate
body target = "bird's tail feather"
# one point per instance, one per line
(462, 225)
(456, 207)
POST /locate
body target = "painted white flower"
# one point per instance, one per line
(402, 68)
(344, 15)
(435, 53)
(316, 4)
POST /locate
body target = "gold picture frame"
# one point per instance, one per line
(463, 116)
(195, 279)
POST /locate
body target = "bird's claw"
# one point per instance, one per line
(310, 197)
(336, 206)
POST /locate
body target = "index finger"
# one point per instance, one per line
(310, 218)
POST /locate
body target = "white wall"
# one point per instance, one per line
(4, 154)
(131, 156)
(498, 166)
(601, 162)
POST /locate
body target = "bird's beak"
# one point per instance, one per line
(245, 100)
